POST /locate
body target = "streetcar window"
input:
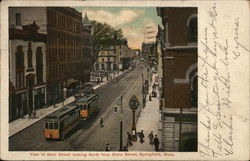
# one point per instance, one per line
(51, 125)
(46, 125)
(85, 107)
(55, 125)
(61, 125)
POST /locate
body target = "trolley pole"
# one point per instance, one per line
(121, 126)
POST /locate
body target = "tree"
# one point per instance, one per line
(105, 36)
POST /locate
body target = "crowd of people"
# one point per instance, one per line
(153, 139)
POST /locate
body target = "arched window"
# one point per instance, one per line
(19, 57)
(194, 89)
(192, 28)
(18, 19)
(29, 55)
(19, 67)
(39, 65)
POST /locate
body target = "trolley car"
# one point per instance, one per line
(88, 105)
(61, 122)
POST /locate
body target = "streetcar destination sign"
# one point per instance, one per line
(133, 102)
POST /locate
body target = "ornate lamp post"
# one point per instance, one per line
(133, 104)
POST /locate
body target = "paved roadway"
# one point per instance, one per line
(89, 136)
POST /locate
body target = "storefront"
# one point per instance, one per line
(39, 97)
(20, 107)
(53, 93)
(171, 138)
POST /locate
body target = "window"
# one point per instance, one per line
(39, 65)
(194, 91)
(46, 125)
(50, 125)
(192, 25)
(29, 55)
(55, 125)
(18, 19)
(19, 79)
(19, 57)
(61, 125)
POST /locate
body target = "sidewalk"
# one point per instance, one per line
(148, 121)
(22, 123)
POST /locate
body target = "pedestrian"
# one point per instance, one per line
(141, 135)
(150, 97)
(125, 148)
(154, 86)
(151, 138)
(101, 122)
(107, 148)
(115, 109)
(156, 143)
(129, 143)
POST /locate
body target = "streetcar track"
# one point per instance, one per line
(86, 128)
(95, 124)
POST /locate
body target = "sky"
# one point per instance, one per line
(134, 21)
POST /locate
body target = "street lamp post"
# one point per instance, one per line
(143, 92)
(133, 104)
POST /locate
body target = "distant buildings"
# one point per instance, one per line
(50, 49)
(179, 54)
(111, 60)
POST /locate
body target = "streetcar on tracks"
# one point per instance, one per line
(59, 123)
(88, 104)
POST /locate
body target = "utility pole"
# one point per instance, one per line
(121, 126)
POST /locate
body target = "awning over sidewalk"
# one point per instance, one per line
(71, 81)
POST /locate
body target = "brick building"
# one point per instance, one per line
(87, 48)
(179, 50)
(65, 59)
(65, 48)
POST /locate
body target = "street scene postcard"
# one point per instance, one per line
(124, 81)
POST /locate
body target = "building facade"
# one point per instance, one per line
(179, 50)
(87, 48)
(65, 43)
(65, 59)
(27, 68)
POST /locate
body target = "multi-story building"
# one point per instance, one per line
(87, 46)
(126, 55)
(159, 44)
(107, 62)
(112, 59)
(65, 59)
(65, 55)
(27, 66)
(179, 50)
(149, 52)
